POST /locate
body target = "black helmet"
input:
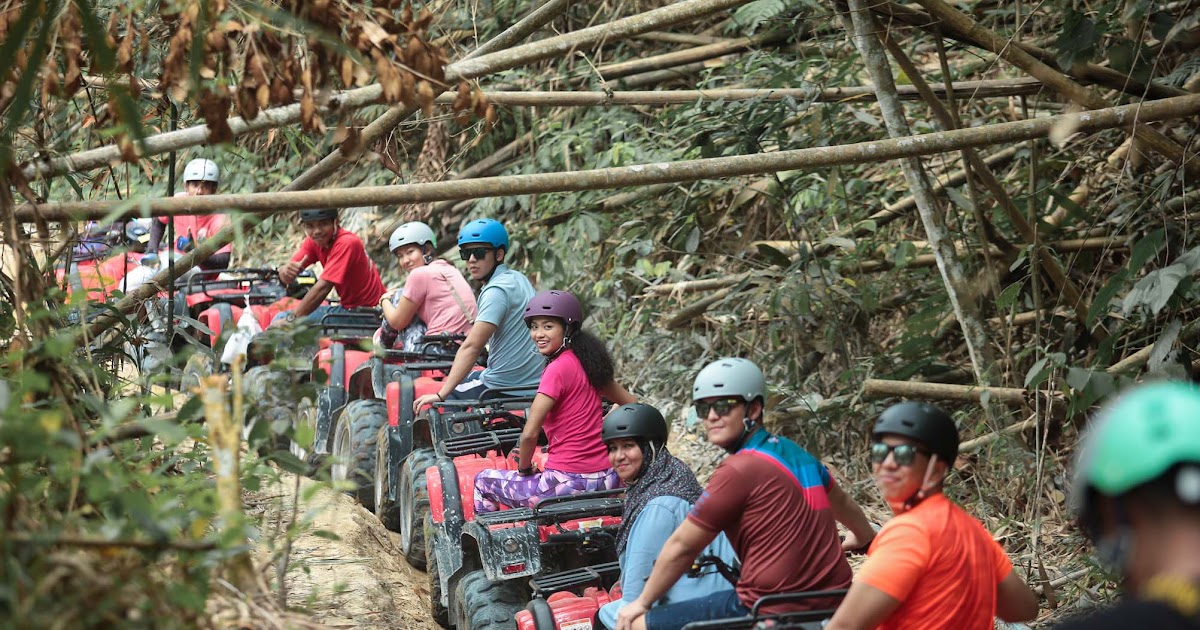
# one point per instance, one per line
(922, 422)
(320, 214)
(635, 421)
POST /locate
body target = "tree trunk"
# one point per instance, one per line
(861, 28)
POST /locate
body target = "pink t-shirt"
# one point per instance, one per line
(432, 288)
(573, 425)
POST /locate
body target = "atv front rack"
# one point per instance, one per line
(574, 579)
(500, 440)
(559, 509)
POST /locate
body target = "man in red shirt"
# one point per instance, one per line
(933, 566)
(777, 504)
(200, 177)
(345, 266)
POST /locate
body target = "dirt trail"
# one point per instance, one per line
(359, 581)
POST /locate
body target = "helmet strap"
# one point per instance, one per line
(427, 249)
(748, 426)
(921, 493)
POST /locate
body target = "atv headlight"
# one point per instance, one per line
(511, 544)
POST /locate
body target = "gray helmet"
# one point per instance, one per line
(412, 233)
(635, 421)
(922, 422)
(320, 214)
(730, 377)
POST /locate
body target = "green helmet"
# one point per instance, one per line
(1138, 438)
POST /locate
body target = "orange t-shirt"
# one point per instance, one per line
(940, 564)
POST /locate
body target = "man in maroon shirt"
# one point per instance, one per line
(345, 266)
(777, 504)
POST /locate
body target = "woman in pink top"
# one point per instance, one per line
(578, 372)
(436, 299)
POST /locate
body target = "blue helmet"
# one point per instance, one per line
(488, 231)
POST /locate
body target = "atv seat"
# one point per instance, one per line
(800, 620)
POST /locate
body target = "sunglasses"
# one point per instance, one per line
(904, 454)
(722, 407)
(478, 253)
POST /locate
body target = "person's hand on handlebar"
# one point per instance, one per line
(427, 399)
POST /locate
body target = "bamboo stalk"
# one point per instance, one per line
(687, 39)
(567, 98)
(691, 55)
(354, 99)
(1090, 72)
(225, 436)
(958, 22)
(693, 286)
(975, 444)
(861, 27)
(873, 151)
(881, 388)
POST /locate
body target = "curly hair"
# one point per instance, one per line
(597, 362)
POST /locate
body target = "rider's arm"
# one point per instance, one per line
(847, 512)
(313, 299)
(468, 353)
(1015, 601)
(616, 394)
(157, 229)
(865, 607)
(677, 555)
(399, 316)
(542, 404)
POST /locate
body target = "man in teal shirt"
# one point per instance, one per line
(513, 362)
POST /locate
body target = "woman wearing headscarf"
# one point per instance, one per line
(661, 490)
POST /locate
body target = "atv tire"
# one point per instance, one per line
(487, 605)
(440, 613)
(386, 509)
(198, 366)
(353, 452)
(414, 505)
(305, 421)
(270, 404)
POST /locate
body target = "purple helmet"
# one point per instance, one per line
(558, 304)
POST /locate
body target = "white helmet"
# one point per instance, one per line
(414, 233)
(730, 377)
(202, 170)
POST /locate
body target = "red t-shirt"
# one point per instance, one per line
(573, 425)
(347, 266)
(940, 564)
(786, 544)
(199, 227)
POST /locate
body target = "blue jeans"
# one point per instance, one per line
(719, 605)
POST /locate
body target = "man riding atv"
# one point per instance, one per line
(346, 267)
(200, 177)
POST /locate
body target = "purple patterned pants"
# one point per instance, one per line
(508, 487)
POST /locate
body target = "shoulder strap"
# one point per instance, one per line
(462, 305)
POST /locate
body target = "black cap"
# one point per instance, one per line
(922, 422)
(635, 421)
(320, 214)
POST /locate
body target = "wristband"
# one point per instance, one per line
(441, 398)
(525, 472)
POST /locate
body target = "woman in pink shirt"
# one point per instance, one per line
(436, 299)
(578, 372)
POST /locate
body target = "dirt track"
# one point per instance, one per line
(359, 581)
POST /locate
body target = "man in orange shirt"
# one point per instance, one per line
(933, 566)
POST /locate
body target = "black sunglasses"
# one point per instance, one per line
(467, 253)
(904, 454)
(722, 407)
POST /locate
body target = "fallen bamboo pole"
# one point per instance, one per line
(1014, 397)
(614, 71)
(567, 98)
(692, 286)
(354, 99)
(975, 444)
(638, 175)
(955, 21)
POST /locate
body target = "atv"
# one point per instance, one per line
(476, 562)
(377, 428)
(322, 371)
